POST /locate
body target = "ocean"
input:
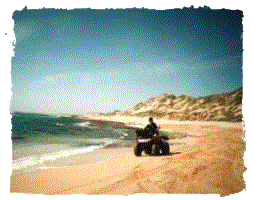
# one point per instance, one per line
(38, 139)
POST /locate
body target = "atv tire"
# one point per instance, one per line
(157, 149)
(165, 148)
(138, 150)
(148, 149)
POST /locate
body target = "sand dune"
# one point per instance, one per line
(218, 107)
(211, 164)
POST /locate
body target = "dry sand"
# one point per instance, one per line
(211, 162)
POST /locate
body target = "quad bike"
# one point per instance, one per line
(151, 145)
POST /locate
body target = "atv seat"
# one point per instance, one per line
(142, 133)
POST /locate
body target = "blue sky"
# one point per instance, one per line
(78, 61)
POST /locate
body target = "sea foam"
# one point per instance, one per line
(39, 160)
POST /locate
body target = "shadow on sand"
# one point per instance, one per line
(170, 154)
(174, 153)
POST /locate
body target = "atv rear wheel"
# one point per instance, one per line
(157, 149)
(165, 148)
(138, 150)
(148, 149)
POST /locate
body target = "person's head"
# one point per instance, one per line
(150, 120)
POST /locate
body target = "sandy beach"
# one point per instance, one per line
(208, 161)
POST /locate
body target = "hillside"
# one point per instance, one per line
(219, 107)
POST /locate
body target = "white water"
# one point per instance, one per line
(40, 159)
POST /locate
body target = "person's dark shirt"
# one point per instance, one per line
(151, 129)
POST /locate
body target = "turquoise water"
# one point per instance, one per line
(38, 138)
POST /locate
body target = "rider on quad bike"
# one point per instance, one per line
(152, 129)
(149, 138)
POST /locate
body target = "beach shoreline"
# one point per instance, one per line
(140, 122)
(210, 150)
